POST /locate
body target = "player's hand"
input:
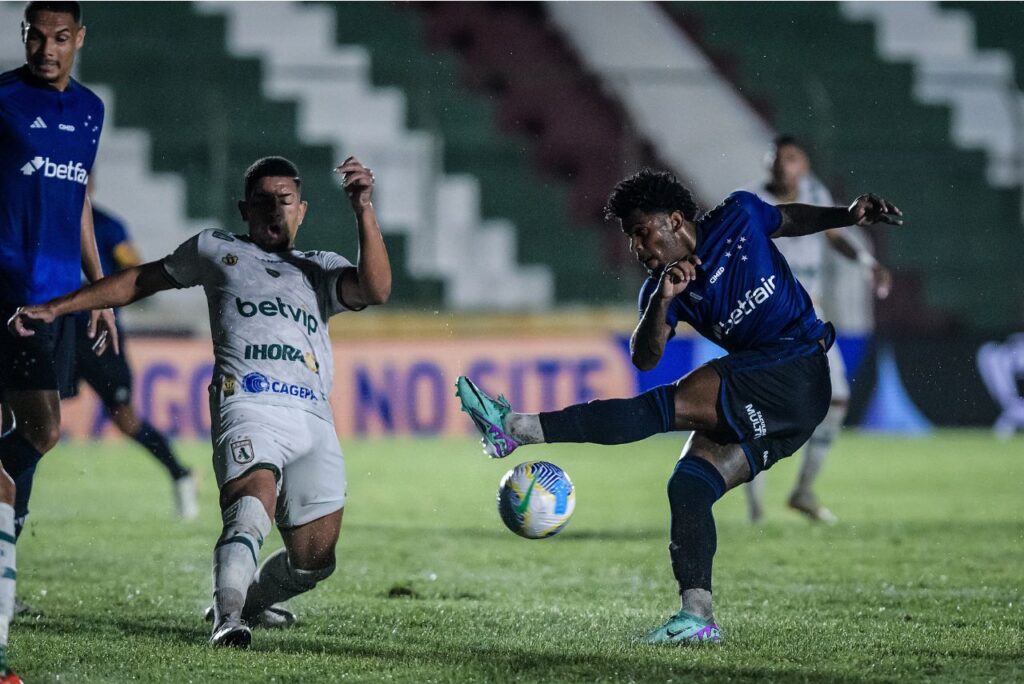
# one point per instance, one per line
(869, 209)
(881, 279)
(103, 331)
(27, 318)
(677, 275)
(357, 182)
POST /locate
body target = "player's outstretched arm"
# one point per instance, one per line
(102, 319)
(369, 283)
(866, 210)
(120, 289)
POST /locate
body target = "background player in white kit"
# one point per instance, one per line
(275, 449)
(791, 180)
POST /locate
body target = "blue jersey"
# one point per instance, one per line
(745, 296)
(48, 142)
(110, 232)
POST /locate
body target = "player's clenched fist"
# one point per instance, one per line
(356, 181)
(869, 209)
(677, 275)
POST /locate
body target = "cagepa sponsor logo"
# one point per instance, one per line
(278, 308)
(258, 383)
(281, 352)
(72, 171)
(746, 306)
(757, 421)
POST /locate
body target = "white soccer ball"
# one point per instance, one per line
(536, 499)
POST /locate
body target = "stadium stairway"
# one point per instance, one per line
(825, 83)
(208, 118)
(397, 38)
(949, 68)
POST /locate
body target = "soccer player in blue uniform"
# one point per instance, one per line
(110, 376)
(49, 130)
(722, 275)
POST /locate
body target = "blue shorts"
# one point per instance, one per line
(108, 374)
(773, 398)
(44, 361)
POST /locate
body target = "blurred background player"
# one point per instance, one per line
(49, 130)
(276, 451)
(109, 374)
(791, 180)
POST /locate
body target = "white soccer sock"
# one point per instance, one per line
(818, 447)
(278, 580)
(246, 524)
(7, 570)
(755, 497)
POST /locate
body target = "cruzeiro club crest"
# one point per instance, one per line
(241, 451)
(229, 259)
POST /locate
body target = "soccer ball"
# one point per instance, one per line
(536, 499)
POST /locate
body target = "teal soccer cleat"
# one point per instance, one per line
(683, 628)
(489, 417)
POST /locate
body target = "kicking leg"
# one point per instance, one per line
(803, 498)
(248, 503)
(307, 559)
(690, 404)
(703, 474)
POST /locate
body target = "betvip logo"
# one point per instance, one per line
(72, 171)
(38, 123)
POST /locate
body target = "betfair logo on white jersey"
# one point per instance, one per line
(72, 171)
(746, 306)
(277, 308)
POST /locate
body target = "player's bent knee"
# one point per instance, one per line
(307, 579)
(7, 489)
(42, 437)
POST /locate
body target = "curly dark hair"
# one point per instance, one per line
(270, 166)
(650, 191)
(72, 8)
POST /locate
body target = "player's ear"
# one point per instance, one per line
(243, 209)
(677, 220)
(80, 38)
(302, 211)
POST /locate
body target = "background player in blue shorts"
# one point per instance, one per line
(49, 130)
(721, 274)
(110, 376)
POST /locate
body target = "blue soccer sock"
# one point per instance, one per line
(694, 487)
(613, 421)
(154, 441)
(19, 459)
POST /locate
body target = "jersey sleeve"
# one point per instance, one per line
(764, 217)
(184, 266)
(332, 266)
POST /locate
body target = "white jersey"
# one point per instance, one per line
(805, 254)
(268, 316)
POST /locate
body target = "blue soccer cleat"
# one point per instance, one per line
(489, 417)
(684, 628)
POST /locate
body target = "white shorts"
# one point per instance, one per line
(300, 448)
(837, 373)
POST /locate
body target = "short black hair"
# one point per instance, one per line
(791, 140)
(72, 8)
(270, 166)
(650, 191)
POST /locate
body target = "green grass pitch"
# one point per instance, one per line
(921, 580)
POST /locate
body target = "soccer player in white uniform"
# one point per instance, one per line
(275, 450)
(792, 181)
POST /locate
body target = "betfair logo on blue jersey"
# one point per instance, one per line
(258, 383)
(72, 171)
(746, 306)
(277, 308)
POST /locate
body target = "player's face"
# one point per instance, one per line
(656, 239)
(274, 212)
(789, 165)
(51, 41)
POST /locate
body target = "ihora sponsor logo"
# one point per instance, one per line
(277, 308)
(258, 383)
(746, 306)
(72, 171)
(281, 352)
